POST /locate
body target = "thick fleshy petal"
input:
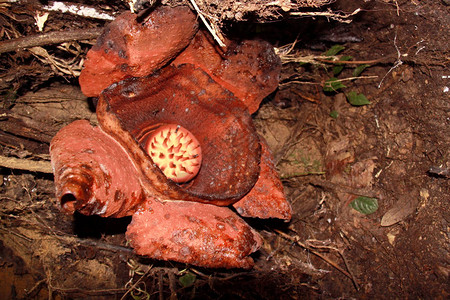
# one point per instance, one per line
(194, 233)
(266, 199)
(130, 47)
(93, 173)
(249, 69)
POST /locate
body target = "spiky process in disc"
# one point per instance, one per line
(175, 151)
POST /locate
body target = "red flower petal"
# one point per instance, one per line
(266, 199)
(250, 69)
(93, 173)
(131, 48)
(194, 233)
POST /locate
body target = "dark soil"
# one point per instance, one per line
(328, 153)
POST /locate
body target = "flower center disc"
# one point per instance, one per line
(175, 151)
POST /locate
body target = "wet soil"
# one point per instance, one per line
(328, 152)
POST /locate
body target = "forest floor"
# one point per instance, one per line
(391, 156)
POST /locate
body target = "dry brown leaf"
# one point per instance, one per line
(405, 206)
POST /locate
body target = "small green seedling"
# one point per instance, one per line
(357, 99)
(365, 205)
(187, 279)
(333, 85)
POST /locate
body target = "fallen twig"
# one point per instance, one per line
(55, 37)
(209, 26)
(328, 185)
(301, 174)
(36, 288)
(135, 284)
(81, 10)
(26, 164)
(353, 62)
(326, 259)
(340, 17)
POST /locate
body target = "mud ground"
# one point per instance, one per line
(328, 152)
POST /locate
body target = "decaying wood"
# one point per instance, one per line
(26, 164)
(78, 9)
(23, 144)
(23, 127)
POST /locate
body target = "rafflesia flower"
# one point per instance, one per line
(175, 146)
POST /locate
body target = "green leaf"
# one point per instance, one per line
(187, 279)
(334, 50)
(346, 58)
(339, 67)
(357, 99)
(365, 205)
(359, 69)
(334, 114)
(332, 85)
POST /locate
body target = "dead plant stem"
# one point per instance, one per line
(209, 26)
(54, 37)
(342, 188)
(358, 77)
(26, 164)
(135, 284)
(326, 259)
(160, 284)
(397, 63)
(343, 18)
(354, 62)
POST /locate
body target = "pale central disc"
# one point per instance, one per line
(175, 151)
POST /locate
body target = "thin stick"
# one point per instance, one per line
(329, 14)
(355, 283)
(300, 82)
(135, 284)
(79, 10)
(318, 83)
(328, 185)
(397, 63)
(208, 26)
(288, 176)
(354, 62)
(36, 288)
(358, 77)
(160, 284)
(326, 259)
(306, 97)
(26, 164)
(55, 37)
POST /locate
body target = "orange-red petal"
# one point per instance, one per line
(194, 233)
(266, 199)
